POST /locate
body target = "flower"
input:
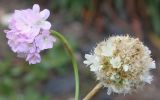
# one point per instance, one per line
(44, 41)
(33, 58)
(121, 63)
(125, 68)
(29, 33)
(92, 62)
(107, 50)
(116, 62)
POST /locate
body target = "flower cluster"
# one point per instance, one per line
(28, 33)
(121, 63)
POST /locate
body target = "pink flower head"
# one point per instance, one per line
(29, 33)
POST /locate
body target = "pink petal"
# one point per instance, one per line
(34, 32)
(45, 14)
(33, 58)
(36, 8)
(46, 25)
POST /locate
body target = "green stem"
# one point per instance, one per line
(71, 53)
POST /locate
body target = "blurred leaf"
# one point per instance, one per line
(155, 14)
(155, 40)
(29, 78)
(16, 71)
(6, 86)
(31, 94)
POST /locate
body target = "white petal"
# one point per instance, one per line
(36, 8)
(45, 14)
(95, 67)
(87, 56)
(45, 25)
(113, 76)
(109, 91)
(116, 62)
(108, 50)
(147, 78)
(152, 65)
(125, 68)
(147, 50)
(86, 62)
(89, 59)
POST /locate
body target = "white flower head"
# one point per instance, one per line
(122, 64)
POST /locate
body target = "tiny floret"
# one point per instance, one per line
(29, 33)
(116, 62)
(121, 63)
(125, 68)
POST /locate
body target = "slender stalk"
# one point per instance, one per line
(73, 59)
(93, 92)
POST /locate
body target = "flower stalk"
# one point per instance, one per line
(93, 92)
(73, 59)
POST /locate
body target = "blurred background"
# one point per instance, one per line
(84, 23)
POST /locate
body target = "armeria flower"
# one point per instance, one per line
(29, 33)
(125, 67)
(44, 40)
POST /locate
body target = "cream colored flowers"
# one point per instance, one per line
(121, 63)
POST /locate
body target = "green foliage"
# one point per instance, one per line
(73, 6)
(154, 11)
